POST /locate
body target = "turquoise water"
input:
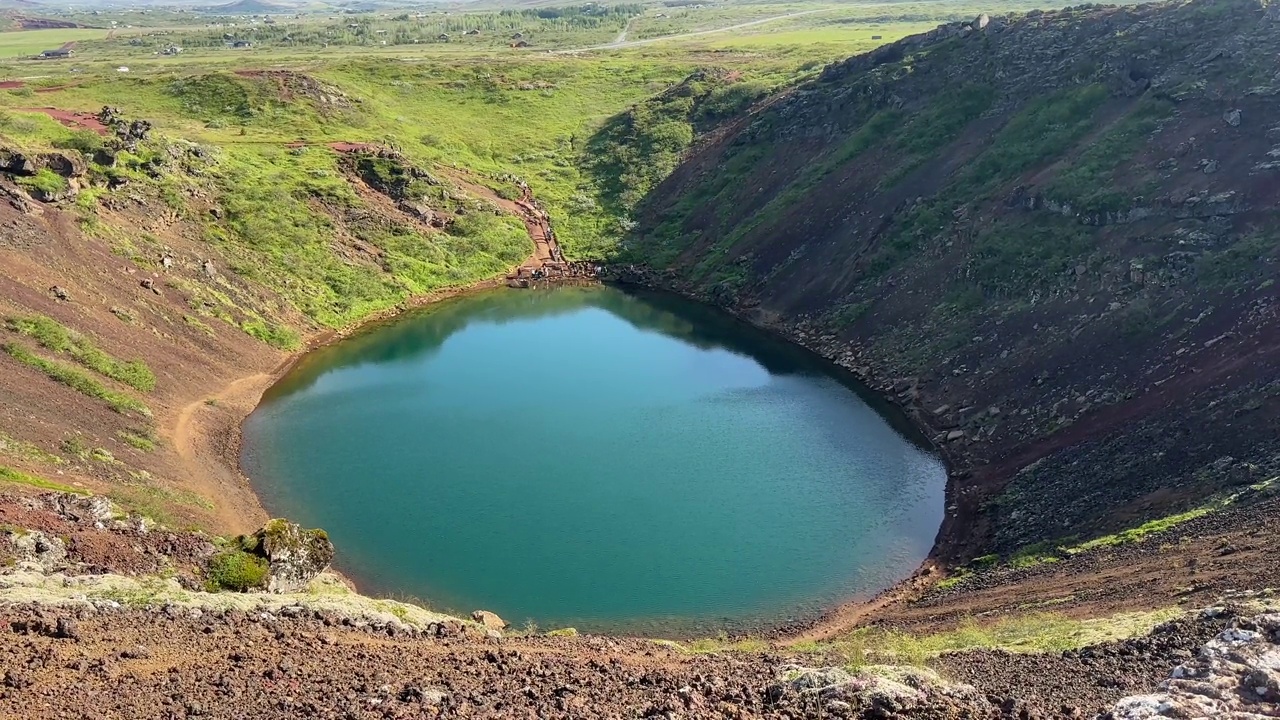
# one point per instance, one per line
(587, 457)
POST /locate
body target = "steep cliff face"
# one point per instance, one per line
(1054, 237)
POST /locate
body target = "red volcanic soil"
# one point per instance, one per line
(352, 146)
(72, 119)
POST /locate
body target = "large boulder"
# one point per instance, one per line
(294, 556)
(1235, 675)
(68, 164)
(878, 691)
(489, 620)
(80, 509)
(17, 163)
(36, 550)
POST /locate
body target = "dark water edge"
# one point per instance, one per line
(701, 325)
(801, 356)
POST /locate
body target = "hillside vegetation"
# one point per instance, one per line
(235, 203)
(1053, 236)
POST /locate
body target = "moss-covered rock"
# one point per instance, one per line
(287, 559)
(295, 555)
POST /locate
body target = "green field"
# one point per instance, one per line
(556, 115)
(33, 42)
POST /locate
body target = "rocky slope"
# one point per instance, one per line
(1053, 238)
(147, 300)
(102, 659)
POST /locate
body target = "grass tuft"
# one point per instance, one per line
(1039, 632)
(56, 337)
(142, 441)
(76, 380)
(8, 474)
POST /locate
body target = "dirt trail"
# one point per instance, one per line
(206, 436)
(622, 34)
(546, 250)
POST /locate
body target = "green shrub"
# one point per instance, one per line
(237, 570)
(214, 97)
(86, 141)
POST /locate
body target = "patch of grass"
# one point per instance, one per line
(1239, 263)
(1045, 129)
(34, 42)
(1140, 533)
(56, 337)
(723, 644)
(1038, 554)
(26, 451)
(1038, 632)
(1088, 183)
(277, 336)
(237, 570)
(77, 381)
(8, 474)
(45, 181)
(636, 149)
(957, 577)
(142, 441)
(75, 445)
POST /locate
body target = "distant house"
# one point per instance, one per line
(443, 37)
(241, 44)
(518, 36)
(472, 32)
(171, 50)
(53, 54)
(876, 37)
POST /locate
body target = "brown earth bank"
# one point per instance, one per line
(208, 375)
(103, 661)
(143, 284)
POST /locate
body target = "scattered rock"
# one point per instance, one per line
(883, 692)
(18, 679)
(60, 293)
(137, 652)
(1235, 675)
(67, 629)
(1232, 118)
